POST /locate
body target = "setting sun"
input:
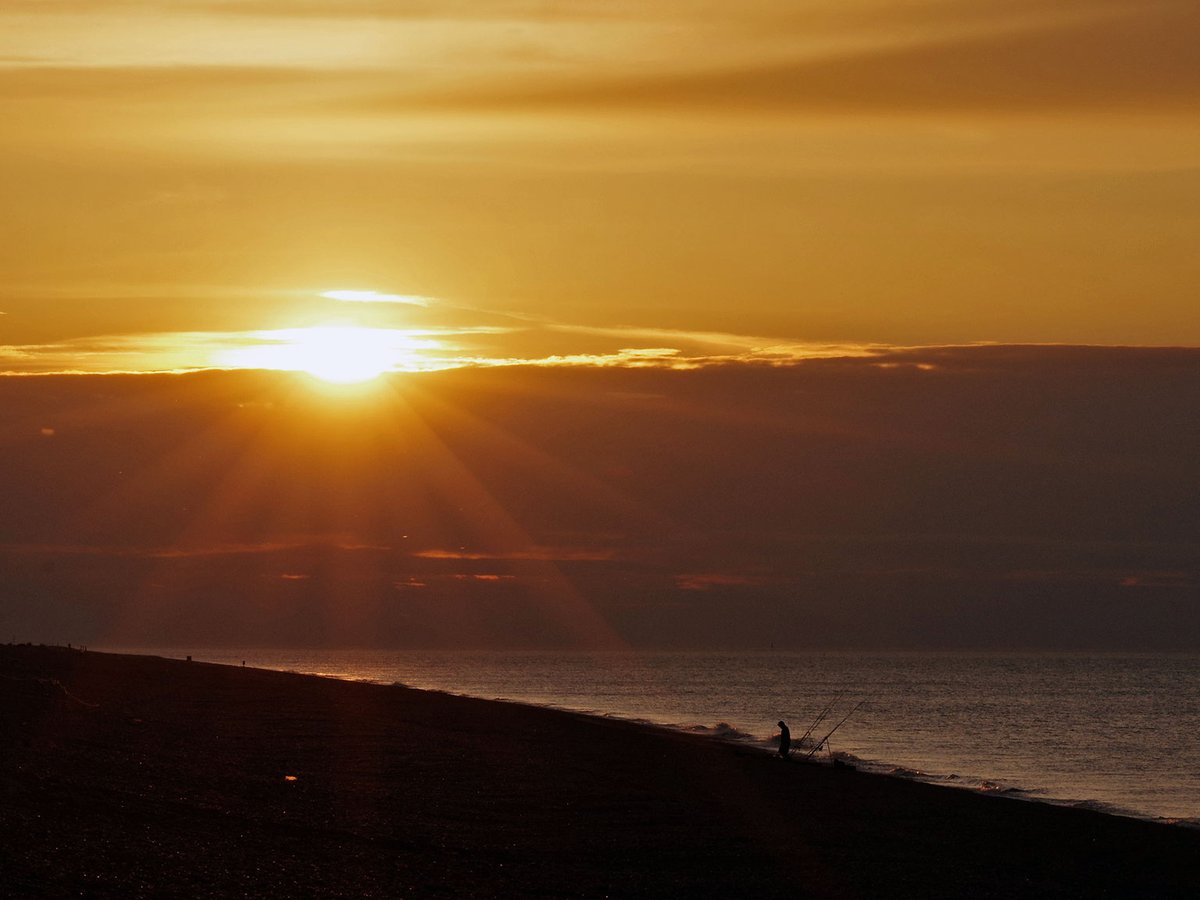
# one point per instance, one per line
(339, 354)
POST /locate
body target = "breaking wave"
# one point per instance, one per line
(723, 731)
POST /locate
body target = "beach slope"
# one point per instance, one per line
(141, 776)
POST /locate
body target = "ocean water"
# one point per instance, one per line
(1115, 732)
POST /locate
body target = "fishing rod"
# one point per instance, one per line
(819, 719)
(821, 743)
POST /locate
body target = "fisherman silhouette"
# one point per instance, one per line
(785, 740)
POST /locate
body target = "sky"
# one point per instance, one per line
(522, 323)
(593, 177)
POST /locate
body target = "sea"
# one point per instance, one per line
(1119, 733)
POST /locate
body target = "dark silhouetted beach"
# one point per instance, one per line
(141, 776)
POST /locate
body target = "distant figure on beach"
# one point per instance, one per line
(785, 740)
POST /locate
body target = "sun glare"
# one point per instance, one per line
(339, 354)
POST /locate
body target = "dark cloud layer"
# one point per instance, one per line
(998, 496)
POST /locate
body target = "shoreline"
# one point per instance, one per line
(756, 744)
(259, 781)
(910, 770)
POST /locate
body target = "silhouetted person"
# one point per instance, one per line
(785, 740)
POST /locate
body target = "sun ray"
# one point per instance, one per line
(485, 519)
(567, 479)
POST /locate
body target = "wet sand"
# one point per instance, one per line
(140, 776)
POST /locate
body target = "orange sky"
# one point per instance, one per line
(684, 178)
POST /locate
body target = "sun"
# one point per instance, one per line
(337, 354)
(345, 355)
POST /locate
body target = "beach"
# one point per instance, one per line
(144, 776)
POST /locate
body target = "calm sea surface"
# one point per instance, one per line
(1114, 732)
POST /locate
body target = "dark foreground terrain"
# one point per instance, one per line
(139, 776)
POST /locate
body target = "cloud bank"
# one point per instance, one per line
(1006, 496)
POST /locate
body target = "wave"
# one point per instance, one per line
(902, 772)
(723, 731)
(1098, 806)
(1183, 823)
